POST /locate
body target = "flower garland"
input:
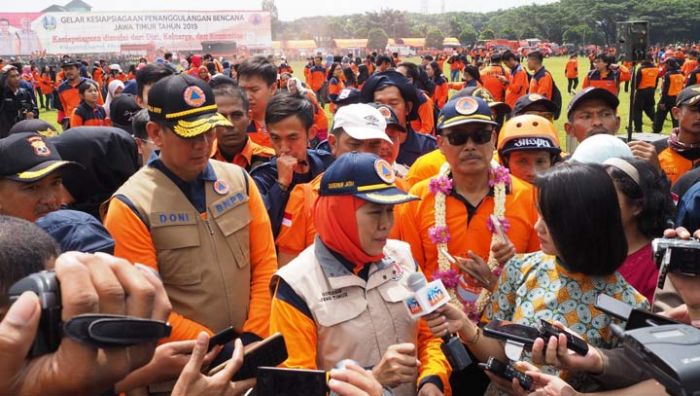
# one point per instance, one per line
(441, 186)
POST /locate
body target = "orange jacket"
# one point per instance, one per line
(542, 83)
(46, 84)
(441, 92)
(84, 115)
(318, 76)
(490, 80)
(689, 66)
(518, 86)
(334, 88)
(647, 77)
(571, 69)
(675, 165)
(609, 81)
(251, 155)
(425, 123)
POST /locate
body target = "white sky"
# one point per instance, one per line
(288, 9)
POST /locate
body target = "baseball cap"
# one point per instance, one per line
(383, 79)
(27, 157)
(361, 121)
(122, 111)
(464, 110)
(347, 96)
(389, 115)
(77, 231)
(480, 92)
(186, 104)
(115, 66)
(599, 148)
(69, 62)
(689, 96)
(526, 101)
(592, 93)
(364, 176)
(34, 125)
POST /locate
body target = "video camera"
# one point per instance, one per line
(98, 330)
(676, 256)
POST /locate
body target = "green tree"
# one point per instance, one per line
(377, 39)
(434, 38)
(527, 33)
(487, 34)
(468, 35)
(509, 33)
(269, 5)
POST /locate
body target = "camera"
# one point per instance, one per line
(45, 285)
(676, 256)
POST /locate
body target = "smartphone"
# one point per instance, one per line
(507, 371)
(223, 337)
(275, 381)
(613, 307)
(639, 318)
(511, 331)
(271, 351)
(573, 342)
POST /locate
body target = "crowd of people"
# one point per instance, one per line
(211, 194)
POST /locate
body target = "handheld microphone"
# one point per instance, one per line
(426, 298)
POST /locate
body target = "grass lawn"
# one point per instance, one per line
(555, 65)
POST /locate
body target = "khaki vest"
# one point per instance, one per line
(355, 319)
(204, 264)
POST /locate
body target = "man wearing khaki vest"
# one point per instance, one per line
(201, 223)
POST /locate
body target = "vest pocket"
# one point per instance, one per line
(234, 225)
(177, 249)
(334, 307)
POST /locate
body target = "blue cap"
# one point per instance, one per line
(689, 209)
(77, 231)
(365, 176)
(465, 110)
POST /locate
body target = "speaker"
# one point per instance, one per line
(632, 40)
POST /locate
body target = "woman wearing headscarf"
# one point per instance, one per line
(342, 297)
(114, 89)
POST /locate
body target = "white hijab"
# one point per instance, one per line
(111, 89)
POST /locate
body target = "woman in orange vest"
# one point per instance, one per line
(672, 86)
(603, 76)
(571, 71)
(45, 88)
(441, 88)
(335, 84)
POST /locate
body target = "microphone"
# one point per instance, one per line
(426, 298)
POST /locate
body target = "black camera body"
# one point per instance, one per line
(45, 285)
(507, 371)
(676, 256)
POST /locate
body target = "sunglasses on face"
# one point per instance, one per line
(478, 137)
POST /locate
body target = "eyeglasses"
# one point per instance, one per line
(478, 137)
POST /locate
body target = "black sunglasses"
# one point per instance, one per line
(478, 137)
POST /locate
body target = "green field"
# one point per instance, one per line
(555, 65)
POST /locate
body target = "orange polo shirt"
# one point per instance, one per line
(133, 241)
(252, 154)
(426, 166)
(425, 123)
(468, 231)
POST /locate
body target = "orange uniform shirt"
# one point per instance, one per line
(518, 86)
(441, 93)
(689, 66)
(571, 69)
(133, 242)
(258, 134)
(675, 165)
(607, 80)
(648, 77)
(425, 167)
(542, 83)
(416, 217)
(251, 155)
(490, 80)
(425, 123)
(334, 88)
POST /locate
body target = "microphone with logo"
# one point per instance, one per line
(426, 298)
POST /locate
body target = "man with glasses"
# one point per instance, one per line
(194, 219)
(467, 139)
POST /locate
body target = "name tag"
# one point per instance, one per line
(172, 218)
(230, 202)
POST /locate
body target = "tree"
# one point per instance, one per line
(487, 34)
(377, 39)
(509, 34)
(434, 38)
(527, 33)
(468, 35)
(275, 27)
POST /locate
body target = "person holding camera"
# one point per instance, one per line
(16, 103)
(89, 284)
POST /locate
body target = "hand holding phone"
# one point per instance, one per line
(573, 342)
(271, 352)
(507, 371)
(223, 337)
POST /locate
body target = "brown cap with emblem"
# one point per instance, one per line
(185, 104)
(27, 157)
(689, 96)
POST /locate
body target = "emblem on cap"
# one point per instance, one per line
(39, 146)
(194, 96)
(385, 112)
(220, 187)
(466, 105)
(384, 171)
(372, 120)
(344, 94)
(535, 97)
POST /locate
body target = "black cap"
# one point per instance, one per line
(522, 104)
(389, 115)
(593, 93)
(34, 125)
(69, 62)
(186, 104)
(689, 96)
(27, 157)
(391, 78)
(122, 111)
(347, 96)
(483, 93)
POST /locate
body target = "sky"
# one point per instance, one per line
(287, 9)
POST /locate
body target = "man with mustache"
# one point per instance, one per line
(31, 171)
(467, 139)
